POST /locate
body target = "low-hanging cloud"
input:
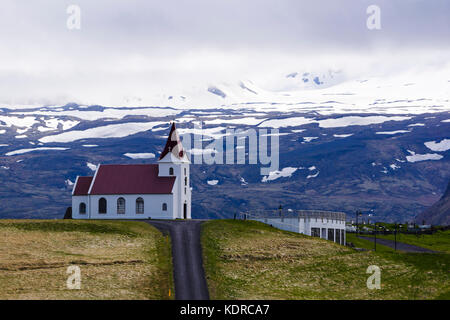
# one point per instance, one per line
(133, 46)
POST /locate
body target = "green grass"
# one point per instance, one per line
(118, 260)
(366, 244)
(250, 260)
(438, 241)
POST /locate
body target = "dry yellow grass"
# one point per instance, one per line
(250, 260)
(118, 260)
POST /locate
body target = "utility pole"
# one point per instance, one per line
(395, 237)
(375, 224)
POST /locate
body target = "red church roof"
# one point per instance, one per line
(82, 186)
(173, 141)
(130, 179)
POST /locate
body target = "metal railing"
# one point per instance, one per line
(300, 214)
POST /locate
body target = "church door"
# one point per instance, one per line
(185, 211)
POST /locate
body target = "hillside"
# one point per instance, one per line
(389, 160)
(438, 213)
(118, 260)
(250, 260)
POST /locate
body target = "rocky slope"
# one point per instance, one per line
(438, 213)
(390, 165)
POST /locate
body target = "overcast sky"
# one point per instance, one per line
(128, 46)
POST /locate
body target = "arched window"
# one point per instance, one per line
(184, 171)
(171, 171)
(139, 205)
(82, 209)
(185, 181)
(120, 205)
(102, 205)
(164, 207)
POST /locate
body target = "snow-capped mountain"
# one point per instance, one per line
(324, 92)
(345, 143)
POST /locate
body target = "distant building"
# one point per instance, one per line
(323, 224)
(137, 191)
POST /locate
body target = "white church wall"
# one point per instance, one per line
(76, 200)
(187, 197)
(163, 169)
(180, 196)
(175, 201)
(184, 191)
(152, 207)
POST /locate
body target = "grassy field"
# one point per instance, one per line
(118, 260)
(438, 241)
(250, 260)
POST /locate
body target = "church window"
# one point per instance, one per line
(171, 171)
(82, 208)
(120, 205)
(164, 207)
(139, 205)
(185, 181)
(102, 205)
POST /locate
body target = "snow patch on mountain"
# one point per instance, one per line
(394, 166)
(343, 135)
(251, 121)
(313, 175)
(139, 155)
(444, 145)
(422, 157)
(392, 132)
(283, 173)
(22, 151)
(416, 125)
(109, 131)
(18, 121)
(309, 139)
(358, 121)
(288, 122)
(212, 182)
(91, 166)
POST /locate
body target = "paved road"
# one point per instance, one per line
(188, 272)
(400, 245)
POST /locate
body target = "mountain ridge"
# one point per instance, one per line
(439, 212)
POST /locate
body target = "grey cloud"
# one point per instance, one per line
(147, 43)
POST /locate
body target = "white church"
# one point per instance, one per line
(137, 191)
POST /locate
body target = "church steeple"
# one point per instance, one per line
(173, 144)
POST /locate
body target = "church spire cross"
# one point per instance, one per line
(173, 144)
